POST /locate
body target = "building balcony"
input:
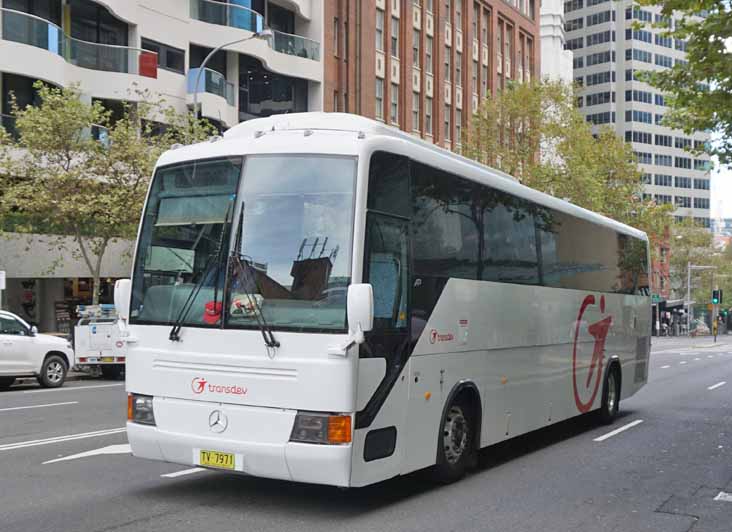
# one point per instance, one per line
(34, 31)
(235, 16)
(215, 96)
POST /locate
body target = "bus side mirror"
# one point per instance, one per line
(360, 306)
(122, 292)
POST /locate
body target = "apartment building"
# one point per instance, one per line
(608, 51)
(424, 65)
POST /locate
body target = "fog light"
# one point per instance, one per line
(140, 409)
(313, 427)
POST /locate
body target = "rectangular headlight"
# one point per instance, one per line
(314, 427)
(140, 409)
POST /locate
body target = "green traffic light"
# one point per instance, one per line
(715, 301)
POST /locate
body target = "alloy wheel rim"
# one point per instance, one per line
(54, 372)
(455, 435)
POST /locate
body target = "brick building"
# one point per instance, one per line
(424, 65)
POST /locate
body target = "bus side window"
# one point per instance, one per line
(386, 270)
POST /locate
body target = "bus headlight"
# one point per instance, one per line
(140, 409)
(313, 427)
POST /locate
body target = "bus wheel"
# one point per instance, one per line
(610, 396)
(455, 451)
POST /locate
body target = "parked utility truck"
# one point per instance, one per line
(97, 342)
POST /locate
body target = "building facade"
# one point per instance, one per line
(420, 65)
(608, 51)
(424, 65)
(556, 61)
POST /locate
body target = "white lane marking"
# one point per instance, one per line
(123, 448)
(715, 386)
(60, 439)
(38, 406)
(724, 497)
(72, 388)
(665, 367)
(697, 359)
(183, 473)
(619, 430)
(710, 356)
(682, 362)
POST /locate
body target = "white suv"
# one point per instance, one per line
(25, 353)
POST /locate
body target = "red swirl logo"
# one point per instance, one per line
(599, 332)
(198, 385)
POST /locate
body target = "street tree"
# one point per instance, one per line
(60, 180)
(699, 90)
(534, 132)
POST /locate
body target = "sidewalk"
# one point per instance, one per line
(698, 342)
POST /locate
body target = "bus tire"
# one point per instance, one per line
(456, 451)
(610, 396)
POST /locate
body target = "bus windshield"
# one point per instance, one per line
(295, 243)
(291, 222)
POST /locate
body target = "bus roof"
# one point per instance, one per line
(366, 128)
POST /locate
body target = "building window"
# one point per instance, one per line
(458, 69)
(428, 116)
(448, 109)
(416, 56)
(395, 37)
(428, 55)
(379, 30)
(484, 80)
(458, 125)
(394, 116)
(335, 36)
(169, 58)
(448, 70)
(335, 101)
(380, 99)
(475, 77)
(476, 18)
(415, 111)
(459, 14)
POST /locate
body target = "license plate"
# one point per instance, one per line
(92, 359)
(216, 459)
(107, 359)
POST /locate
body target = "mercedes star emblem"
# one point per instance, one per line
(217, 421)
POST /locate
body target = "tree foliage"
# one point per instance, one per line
(58, 179)
(535, 133)
(699, 92)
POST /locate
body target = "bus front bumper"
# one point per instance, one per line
(300, 462)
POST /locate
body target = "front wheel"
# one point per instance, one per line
(610, 396)
(455, 441)
(53, 372)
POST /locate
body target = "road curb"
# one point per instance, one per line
(69, 378)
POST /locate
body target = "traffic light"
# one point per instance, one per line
(721, 296)
(715, 297)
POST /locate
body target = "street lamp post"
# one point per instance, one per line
(266, 33)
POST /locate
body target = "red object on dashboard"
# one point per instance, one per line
(212, 312)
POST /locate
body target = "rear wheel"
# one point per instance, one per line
(53, 372)
(610, 396)
(456, 450)
(113, 372)
(6, 382)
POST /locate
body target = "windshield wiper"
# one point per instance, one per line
(219, 255)
(238, 259)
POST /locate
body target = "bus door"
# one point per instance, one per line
(382, 393)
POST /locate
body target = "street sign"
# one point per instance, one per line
(656, 299)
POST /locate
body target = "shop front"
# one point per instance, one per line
(46, 278)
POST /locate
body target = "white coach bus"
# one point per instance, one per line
(320, 298)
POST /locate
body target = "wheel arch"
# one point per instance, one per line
(469, 390)
(60, 354)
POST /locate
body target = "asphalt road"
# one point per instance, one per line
(662, 473)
